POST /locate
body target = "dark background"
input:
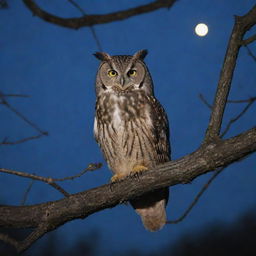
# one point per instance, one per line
(55, 66)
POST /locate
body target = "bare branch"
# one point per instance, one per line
(184, 170)
(194, 202)
(37, 233)
(250, 101)
(51, 181)
(91, 27)
(250, 53)
(8, 240)
(48, 216)
(32, 237)
(242, 24)
(91, 20)
(20, 246)
(91, 167)
(15, 95)
(20, 115)
(202, 98)
(76, 5)
(233, 120)
(242, 101)
(6, 142)
(25, 196)
(249, 40)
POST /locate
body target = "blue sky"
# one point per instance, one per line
(55, 66)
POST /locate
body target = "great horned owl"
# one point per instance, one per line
(131, 127)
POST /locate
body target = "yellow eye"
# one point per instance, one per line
(112, 73)
(132, 72)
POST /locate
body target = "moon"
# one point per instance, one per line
(201, 29)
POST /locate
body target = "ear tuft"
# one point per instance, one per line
(102, 56)
(140, 55)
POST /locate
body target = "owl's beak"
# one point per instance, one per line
(122, 84)
(122, 81)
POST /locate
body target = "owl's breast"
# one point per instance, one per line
(127, 108)
(124, 129)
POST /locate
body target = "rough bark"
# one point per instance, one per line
(207, 158)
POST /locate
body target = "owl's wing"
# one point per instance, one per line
(160, 130)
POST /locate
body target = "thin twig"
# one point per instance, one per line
(5, 142)
(4, 102)
(25, 196)
(32, 237)
(49, 180)
(250, 53)
(250, 101)
(96, 38)
(242, 101)
(233, 120)
(91, 26)
(20, 115)
(59, 188)
(16, 95)
(91, 167)
(249, 40)
(203, 189)
(9, 240)
(201, 97)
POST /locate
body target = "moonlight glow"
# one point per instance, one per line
(201, 29)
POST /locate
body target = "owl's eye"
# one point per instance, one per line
(132, 72)
(112, 73)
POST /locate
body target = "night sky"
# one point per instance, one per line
(56, 68)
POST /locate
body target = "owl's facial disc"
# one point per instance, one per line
(122, 78)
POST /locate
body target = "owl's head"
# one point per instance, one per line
(122, 74)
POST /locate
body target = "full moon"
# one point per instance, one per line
(201, 29)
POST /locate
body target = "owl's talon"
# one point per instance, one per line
(136, 175)
(138, 169)
(117, 177)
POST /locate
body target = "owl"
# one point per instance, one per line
(131, 128)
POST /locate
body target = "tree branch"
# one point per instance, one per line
(242, 24)
(90, 20)
(52, 181)
(207, 158)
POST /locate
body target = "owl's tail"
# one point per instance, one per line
(151, 208)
